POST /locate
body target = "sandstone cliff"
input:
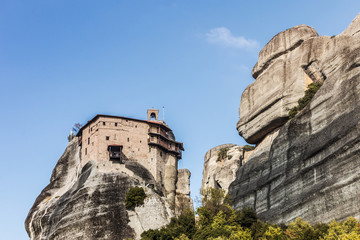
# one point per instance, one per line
(308, 166)
(84, 203)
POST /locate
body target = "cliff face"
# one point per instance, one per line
(308, 166)
(220, 172)
(89, 204)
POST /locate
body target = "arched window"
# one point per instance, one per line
(152, 116)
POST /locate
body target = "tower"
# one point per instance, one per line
(153, 114)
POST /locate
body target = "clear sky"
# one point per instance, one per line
(63, 62)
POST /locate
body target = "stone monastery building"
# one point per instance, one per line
(111, 140)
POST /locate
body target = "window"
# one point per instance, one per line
(140, 141)
(115, 153)
(104, 123)
(115, 124)
(85, 151)
(160, 154)
(149, 149)
(128, 139)
(107, 138)
(88, 140)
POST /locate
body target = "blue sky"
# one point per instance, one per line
(63, 62)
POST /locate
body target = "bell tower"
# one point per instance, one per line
(153, 114)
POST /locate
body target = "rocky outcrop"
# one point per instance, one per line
(220, 172)
(86, 203)
(354, 28)
(183, 200)
(308, 166)
(282, 74)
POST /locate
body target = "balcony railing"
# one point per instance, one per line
(115, 155)
(168, 146)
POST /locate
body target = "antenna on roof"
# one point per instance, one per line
(163, 113)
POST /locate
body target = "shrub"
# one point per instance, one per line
(222, 154)
(134, 197)
(249, 148)
(302, 102)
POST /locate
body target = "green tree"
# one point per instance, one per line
(274, 233)
(134, 197)
(300, 230)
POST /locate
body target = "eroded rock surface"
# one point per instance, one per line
(219, 173)
(310, 166)
(85, 203)
(183, 200)
(283, 71)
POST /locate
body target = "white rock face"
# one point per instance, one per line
(154, 214)
(85, 203)
(354, 28)
(308, 167)
(282, 74)
(183, 200)
(219, 173)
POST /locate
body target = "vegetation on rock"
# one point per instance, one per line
(222, 154)
(249, 148)
(134, 197)
(216, 220)
(302, 102)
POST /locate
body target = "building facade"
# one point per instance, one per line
(110, 141)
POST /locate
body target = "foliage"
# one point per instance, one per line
(300, 230)
(302, 102)
(222, 154)
(218, 221)
(249, 148)
(274, 233)
(134, 197)
(181, 228)
(71, 136)
(350, 229)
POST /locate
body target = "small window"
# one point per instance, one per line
(88, 140)
(107, 138)
(135, 126)
(128, 139)
(149, 149)
(85, 151)
(104, 123)
(126, 120)
(160, 154)
(89, 130)
(115, 124)
(140, 141)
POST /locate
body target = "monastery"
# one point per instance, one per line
(110, 141)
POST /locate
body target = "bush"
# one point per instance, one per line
(222, 154)
(134, 197)
(218, 221)
(249, 148)
(302, 102)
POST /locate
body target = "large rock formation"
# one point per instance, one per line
(308, 166)
(220, 172)
(281, 78)
(85, 203)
